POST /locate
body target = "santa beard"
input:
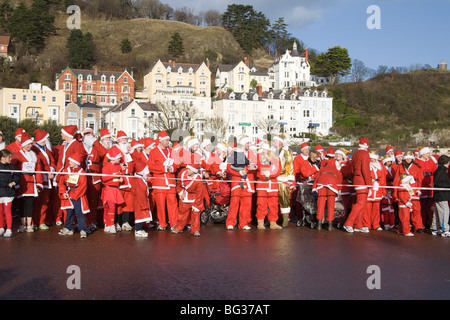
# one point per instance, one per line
(375, 165)
(88, 142)
(124, 147)
(107, 144)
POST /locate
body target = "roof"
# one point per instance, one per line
(177, 65)
(143, 105)
(86, 72)
(89, 105)
(4, 40)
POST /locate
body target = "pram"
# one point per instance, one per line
(308, 200)
(219, 201)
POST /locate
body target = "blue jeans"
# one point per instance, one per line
(76, 212)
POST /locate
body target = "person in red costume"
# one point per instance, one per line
(44, 154)
(372, 217)
(242, 166)
(190, 194)
(139, 189)
(111, 196)
(428, 166)
(404, 194)
(16, 146)
(72, 190)
(161, 165)
(411, 167)
(362, 181)
(269, 168)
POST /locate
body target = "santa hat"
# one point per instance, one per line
(222, 146)
(121, 135)
(193, 167)
(387, 158)
(389, 149)
(244, 140)
(374, 155)
(304, 145)
(364, 142)
(88, 130)
(70, 130)
(114, 153)
(259, 142)
(136, 144)
(176, 146)
(406, 178)
(330, 152)
(398, 153)
(205, 143)
(26, 139)
(281, 138)
(19, 133)
(77, 157)
(409, 155)
(149, 142)
(318, 148)
(192, 141)
(40, 135)
(424, 151)
(104, 133)
(163, 135)
(341, 151)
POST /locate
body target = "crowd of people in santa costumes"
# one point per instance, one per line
(117, 183)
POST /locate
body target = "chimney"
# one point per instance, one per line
(259, 89)
(294, 89)
(246, 61)
(95, 71)
(173, 63)
(306, 54)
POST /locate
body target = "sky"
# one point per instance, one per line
(411, 31)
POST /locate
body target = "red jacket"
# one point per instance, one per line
(303, 169)
(428, 168)
(190, 190)
(65, 151)
(158, 159)
(46, 163)
(28, 181)
(414, 171)
(94, 161)
(361, 169)
(273, 167)
(236, 176)
(328, 177)
(378, 178)
(75, 185)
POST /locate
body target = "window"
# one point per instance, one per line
(103, 78)
(125, 79)
(89, 78)
(90, 115)
(112, 79)
(80, 77)
(43, 98)
(133, 112)
(14, 97)
(53, 99)
(67, 76)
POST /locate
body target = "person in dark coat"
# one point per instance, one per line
(8, 182)
(441, 198)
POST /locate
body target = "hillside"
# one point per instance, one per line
(395, 108)
(149, 39)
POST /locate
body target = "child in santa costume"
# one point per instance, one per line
(372, 215)
(30, 181)
(8, 181)
(111, 195)
(269, 168)
(387, 210)
(190, 194)
(72, 190)
(139, 190)
(428, 165)
(405, 193)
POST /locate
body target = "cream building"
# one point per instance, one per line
(38, 103)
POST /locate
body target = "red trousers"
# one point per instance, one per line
(187, 215)
(388, 216)
(109, 213)
(372, 216)
(166, 199)
(6, 215)
(240, 203)
(425, 207)
(404, 217)
(326, 196)
(41, 207)
(416, 216)
(355, 218)
(127, 205)
(267, 205)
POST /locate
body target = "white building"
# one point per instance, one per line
(137, 119)
(294, 113)
(291, 70)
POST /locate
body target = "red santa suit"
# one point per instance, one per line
(426, 198)
(405, 194)
(327, 185)
(16, 146)
(111, 196)
(190, 194)
(139, 190)
(29, 182)
(74, 183)
(163, 182)
(362, 180)
(217, 166)
(372, 215)
(414, 171)
(242, 190)
(387, 211)
(69, 149)
(269, 168)
(46, 163)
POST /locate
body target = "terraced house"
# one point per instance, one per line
(103, 88)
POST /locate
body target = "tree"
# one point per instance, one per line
(81, 49)
(176, 47)
(359, 71)
(249, 27)
(125, 46)
(279, 37)
(31, 26)
(335, 62)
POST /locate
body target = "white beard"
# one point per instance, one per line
(48, 145)
(107, 144)
(375, 165)
(31, 156)
(123, 147)
(88, 142)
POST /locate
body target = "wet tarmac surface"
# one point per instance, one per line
(297, 263)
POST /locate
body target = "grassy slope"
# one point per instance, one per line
(393, 106)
